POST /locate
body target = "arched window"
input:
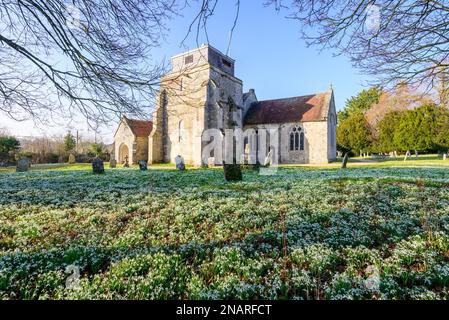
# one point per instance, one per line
(181, 130)
(296, 139)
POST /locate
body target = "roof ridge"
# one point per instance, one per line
(305, 95)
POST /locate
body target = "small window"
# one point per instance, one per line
(181, 131)
(226, 63)
(188, 59)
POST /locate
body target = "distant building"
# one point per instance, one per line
(194, 97)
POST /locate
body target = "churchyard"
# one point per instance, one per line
(377, 230)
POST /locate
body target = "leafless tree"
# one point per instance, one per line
(61, 57)
(393, 40)
(396, 41)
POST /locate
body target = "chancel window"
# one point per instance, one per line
(296, 139)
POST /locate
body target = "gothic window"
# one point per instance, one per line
(296, 139)
(181, 130)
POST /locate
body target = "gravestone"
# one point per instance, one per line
(112, 163)
(445, 156)
(72, 158)
(407, 155)
(143, 166)
(98, 166)
(23, 165)
(268, 159)
(232, 172)
(179, 161)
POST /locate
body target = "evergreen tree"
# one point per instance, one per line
(69, 142)
(354, 134)
(387, 129)
(360, 103)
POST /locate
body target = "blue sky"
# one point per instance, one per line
(270, 57)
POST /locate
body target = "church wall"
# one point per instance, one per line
(186, 100)
(222, 86)
(155, 144)
(141, 149)
(316, 135)
(315, 142)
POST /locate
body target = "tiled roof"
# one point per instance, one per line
(297, 109)
(140, 128)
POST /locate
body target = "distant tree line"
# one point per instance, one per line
(50, 150)
(378, 122)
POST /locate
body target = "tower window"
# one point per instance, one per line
(226, 63)
(188, 59)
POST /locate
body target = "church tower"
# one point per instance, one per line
(195, 95)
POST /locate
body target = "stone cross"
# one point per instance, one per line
(179, 161)
(126, 165)
(98, 166)
(23, 165)
(143, 166)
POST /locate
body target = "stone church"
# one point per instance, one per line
(193, 98)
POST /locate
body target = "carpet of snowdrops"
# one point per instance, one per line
(300, 234)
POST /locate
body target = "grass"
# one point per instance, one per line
(432, 160)
(165, 234)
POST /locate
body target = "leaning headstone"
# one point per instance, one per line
(98, 166)
(23, 165)
(112, 163)
(179, 161)
(143, 166)
(407, 155)
(72, 158)
(268, 158)
(345, 160)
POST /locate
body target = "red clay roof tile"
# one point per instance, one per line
(140, 128)
(296, 109)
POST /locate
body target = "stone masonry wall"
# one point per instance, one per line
(125, 136)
